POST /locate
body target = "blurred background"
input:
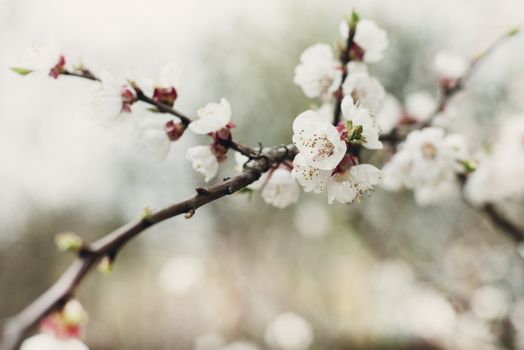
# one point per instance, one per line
(383, 274)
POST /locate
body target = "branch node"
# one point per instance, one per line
(190, 213)
(201, 190)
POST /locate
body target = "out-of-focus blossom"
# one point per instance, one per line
(326, 112)
(209, 341)
(153, 138)
(420, 106)
(203, 161)
(43, 58)
(212, 117)
(428, 163)
(372, 39)
(489, 303)
(499, 171)
(389, 115)
(312, 220)
(46, 341)
(449, 66)
(289, 331)
(318, 141)
(182, 274)
(112, 99)
(365, 90)
(241, 345)
(319, 74)
(365, 128)
(281, 189)
(428, 314)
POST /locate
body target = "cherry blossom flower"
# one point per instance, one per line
(428, 163)
(449, 66)
(153, 139)
(350, 185)
(112, 99)
(370, 38)
(43, 58)
(203, 161)
(499, 170)
(163, 83)
(182, 274)
(363, 124)
(289, 331)
(319, 74)
(420, 106)
(318, 141)
(281, 189)
(212, 117)
(389, 115)
(45, 341)
(365, 90)
(309, 177)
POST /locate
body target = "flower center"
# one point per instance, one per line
(429, 151)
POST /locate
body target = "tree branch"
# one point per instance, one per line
(17, 327)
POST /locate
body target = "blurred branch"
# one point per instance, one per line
(15, 329)
(502, 222)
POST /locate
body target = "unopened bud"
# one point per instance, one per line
(166, 96)
(58, 68)
(174, 130)
(106, 266)
(69, 242)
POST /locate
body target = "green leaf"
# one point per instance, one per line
(514, 31)
(21, 71)
(69, 242)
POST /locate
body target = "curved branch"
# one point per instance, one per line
(16, 328)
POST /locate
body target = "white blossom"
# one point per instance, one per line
(499, 171)
(203, 161)
(212, 117)
(181, 274)
(318, 141)
(372, 39)
(309, 177)
(152, 138)
(420, 105)
(348, 186)
(107, 99)
(241, 345)
(289, 331)
(389, 115)
(42, 56)
(359, 116)
(319, 74)
(428, 163)
(281, 189)
(44, 341)
(365, 90)
(449, 65)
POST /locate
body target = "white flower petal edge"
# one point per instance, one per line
(212, 117)
(107, 99)
(367, 91)
(44, 341)
(449, 65)
(310, 178)
(203, 161)
(318, 141)
(281, 190)
(373, 39)
(348, 186)
(153, 139)
(361, 116)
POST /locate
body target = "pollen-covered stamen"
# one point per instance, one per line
(319, 145)
(58, 68)
(429, 151)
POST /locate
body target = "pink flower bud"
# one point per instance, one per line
(356, 53)
(58, 68)
(347, 162)
(128, 98)
(174, 130)
(166, 96)
(219, 151)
